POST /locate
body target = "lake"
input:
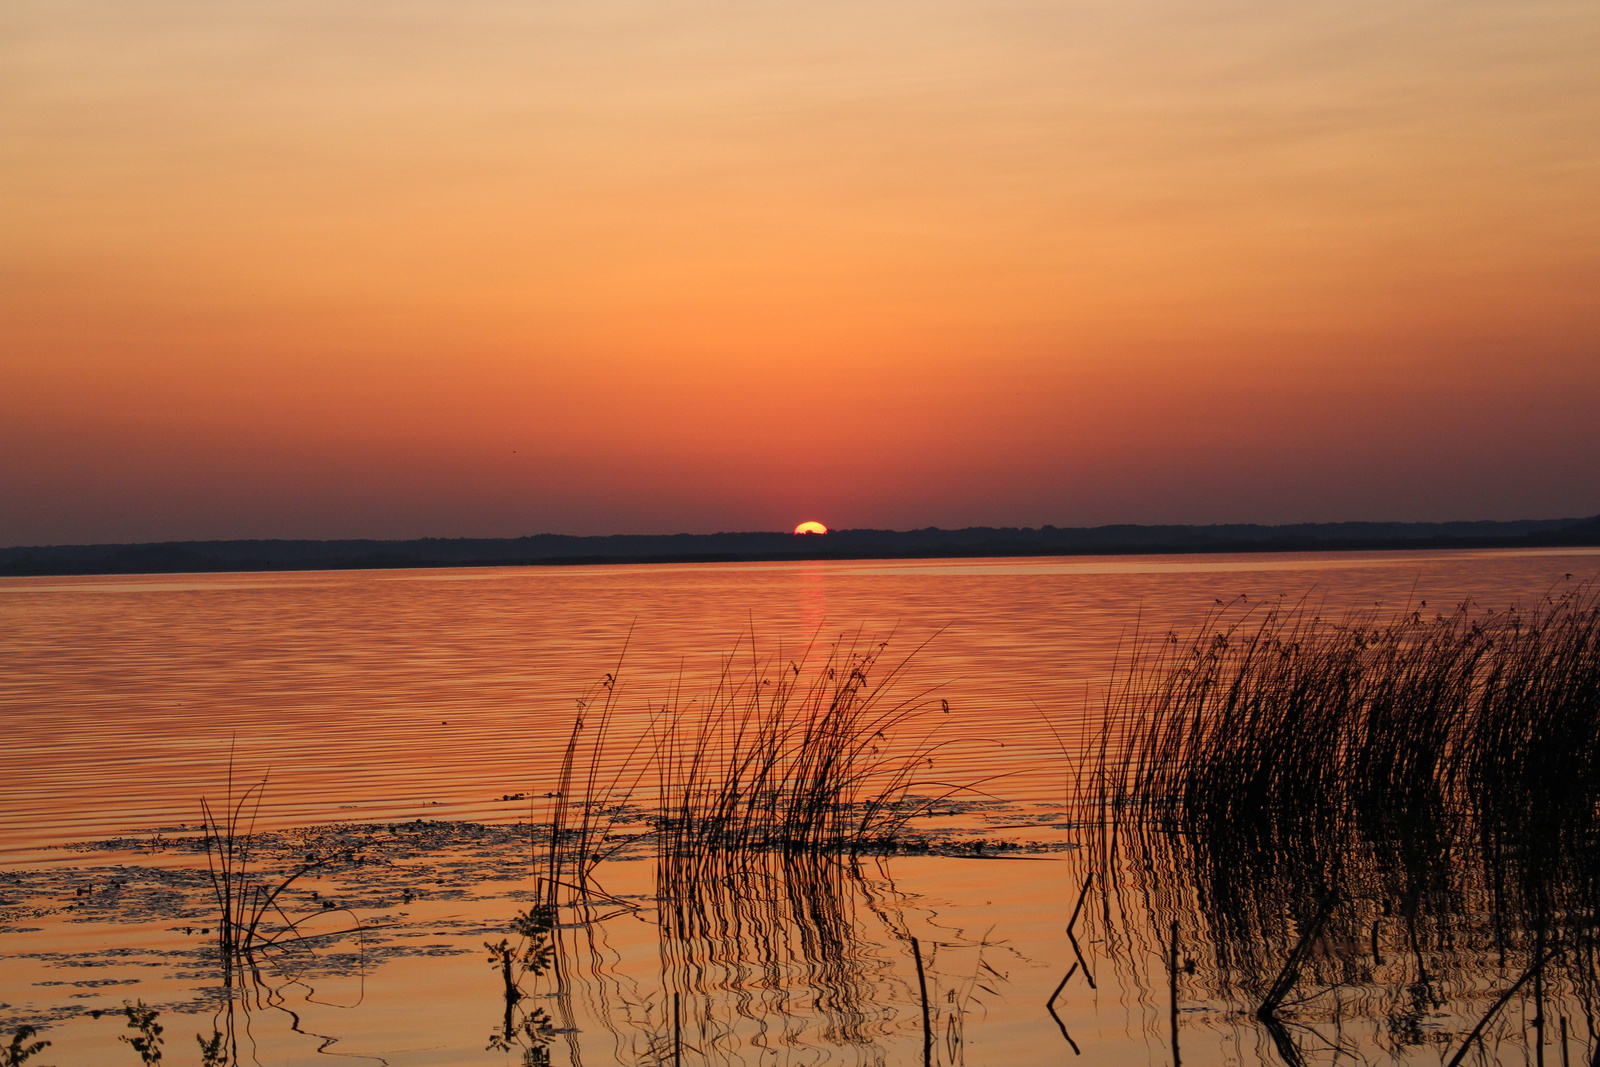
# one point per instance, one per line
(404, 728)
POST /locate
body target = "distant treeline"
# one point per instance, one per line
(560, 549)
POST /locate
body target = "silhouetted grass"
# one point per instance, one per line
(794, 756)
(1408, 802)
(797, 760)
(1296, 742)
(757, 794)
(255, 929)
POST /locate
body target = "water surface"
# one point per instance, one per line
(372, 698)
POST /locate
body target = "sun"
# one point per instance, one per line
(811, 528)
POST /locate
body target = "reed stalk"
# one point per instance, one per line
(1307, 783)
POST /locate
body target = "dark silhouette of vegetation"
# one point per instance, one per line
(148, 1043)
(531, 955)
(780, 755)
(757, 799)
(22, 1049)
(1408, 803)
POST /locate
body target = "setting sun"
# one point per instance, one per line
(811, 528)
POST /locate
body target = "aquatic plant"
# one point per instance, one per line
(530, 955)
(788, 760)
(148, 1043)
(1298, 744)
(213, 1053)
(590, 795)
(757, 799)
(21, 1049)
(1406, 802)
(253, 921)
(243, 901)
(533, 953)
(778, 755)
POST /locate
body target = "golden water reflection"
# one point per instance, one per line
(372, 698)
(377, 695)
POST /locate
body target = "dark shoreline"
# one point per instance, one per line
(179, 557)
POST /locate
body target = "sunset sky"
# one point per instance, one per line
(329, 269)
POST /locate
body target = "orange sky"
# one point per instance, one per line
(348, 269)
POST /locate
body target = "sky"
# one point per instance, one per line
(274, 268)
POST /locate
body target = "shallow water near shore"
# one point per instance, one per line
(409, 724)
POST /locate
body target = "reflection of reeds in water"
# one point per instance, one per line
(798, 958)
(771, 953)
(760, 797)
(1391, 816)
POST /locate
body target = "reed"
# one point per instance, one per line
(250, 911)
(760, 794)
(580, 800)
(1299, 737)
(803, 756)
(1527, 763)
(255, 929)
(1396, 789)
(790, 760)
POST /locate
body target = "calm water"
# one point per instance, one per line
(381, 695)
(371, 697)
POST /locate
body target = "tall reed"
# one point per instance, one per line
(798, 756)
(758, 794)
(1292, 737)
(1366, 795)
(796, 760)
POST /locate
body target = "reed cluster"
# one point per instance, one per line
(1411, 803)
(795, 756)
(754, 797)
(790, 760)
(1303, 733)
(256, 933)
(243, 902)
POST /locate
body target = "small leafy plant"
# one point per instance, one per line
(532, 954)
(148, 1043)
(212, 1052)
(20, 1051)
